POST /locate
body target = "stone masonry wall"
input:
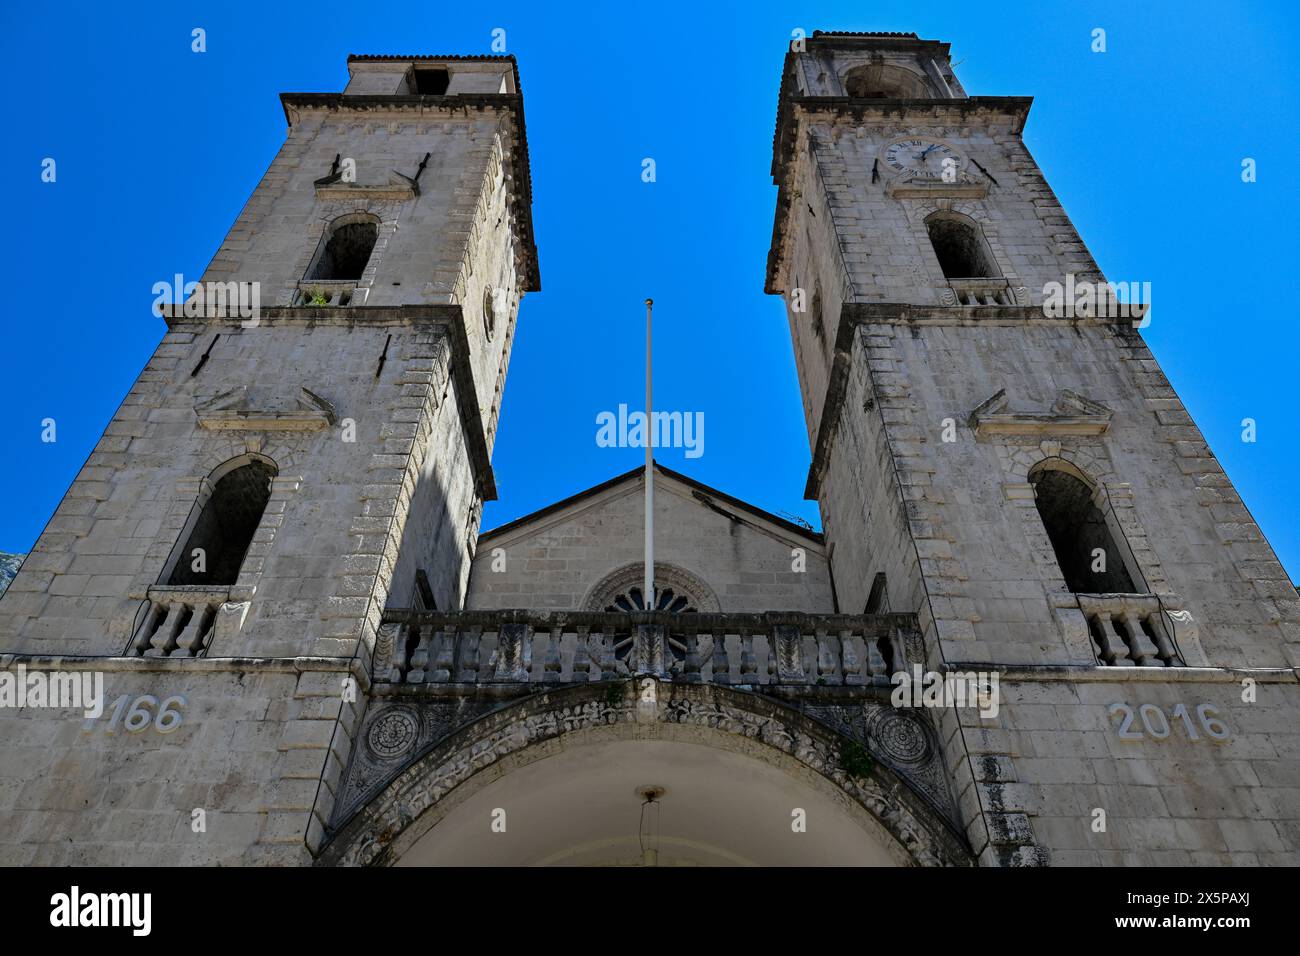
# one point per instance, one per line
(445, 246)
(1030, 780)
(555, 562)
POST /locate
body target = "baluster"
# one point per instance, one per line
(1140, 642)
(154, 615)
(849, 658)
(190, 640)
(608, 662)
(1163, 644)
(748, 663)
(443, 660)
(551, 667)
(721, 662)
(897, 651)
(769, 642)
(1113, 650)
(417, 640)
(828, 665)
(876, 666)
(691, 666)
(160, 642)
(536, 662)
(190, 634)
(581, 671)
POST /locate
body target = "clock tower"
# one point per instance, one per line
(1023, 477)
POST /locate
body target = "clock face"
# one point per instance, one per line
(923, 157)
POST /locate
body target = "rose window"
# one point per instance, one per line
(669, 599)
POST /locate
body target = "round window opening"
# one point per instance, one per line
(670, 599)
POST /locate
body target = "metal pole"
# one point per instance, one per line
(649, 592)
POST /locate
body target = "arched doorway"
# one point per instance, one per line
(559, 778)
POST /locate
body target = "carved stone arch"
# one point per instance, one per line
(1023, 464)
(974, 212)
(603, 592)
(919, 210)
(453, 768)
(193, 493)
(285, 452)
(239, 461)
(1090, 465)
(329, 216)
(282, 453)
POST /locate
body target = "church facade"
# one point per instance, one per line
(1039, 626)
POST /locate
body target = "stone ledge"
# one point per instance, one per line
(207, 665)
(1102, 674)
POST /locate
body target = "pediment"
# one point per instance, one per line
(1070, 414)
(265, 408)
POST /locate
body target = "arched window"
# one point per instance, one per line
(1090, 562)
(667, 598)
(489, 313)
(343, 256)
(882, 81)
(960, 248)
(224, 528)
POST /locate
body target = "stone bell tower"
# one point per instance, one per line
(1021, 475)
(310, 442)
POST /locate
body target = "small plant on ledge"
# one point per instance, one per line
(855, 761)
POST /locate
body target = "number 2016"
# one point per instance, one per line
(1157, 726)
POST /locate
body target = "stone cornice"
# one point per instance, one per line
(945, 111)
(190, 665)
(445, 104)
(1077, 673)
(449, 317)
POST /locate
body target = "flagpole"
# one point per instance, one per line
(649, 592)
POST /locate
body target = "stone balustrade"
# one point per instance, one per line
(179, 621)
(979, 292)
(329, 293)
(1128, 630)
(519, 647)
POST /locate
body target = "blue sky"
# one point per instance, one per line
(158, 148)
